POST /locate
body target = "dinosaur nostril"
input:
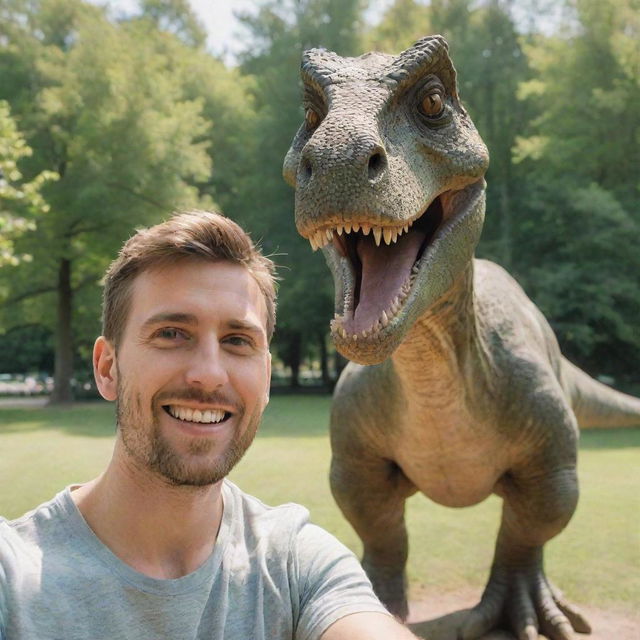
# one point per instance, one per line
(307, 170)
(377, 164)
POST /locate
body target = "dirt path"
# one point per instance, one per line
(438, 616)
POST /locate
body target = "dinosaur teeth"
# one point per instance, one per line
(389, 235)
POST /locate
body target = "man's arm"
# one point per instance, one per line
(337, 600)
(367, 626)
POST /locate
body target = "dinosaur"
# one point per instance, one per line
(456, 387)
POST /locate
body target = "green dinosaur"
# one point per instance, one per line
(460, 390)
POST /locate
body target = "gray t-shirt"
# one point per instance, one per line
(272, 576)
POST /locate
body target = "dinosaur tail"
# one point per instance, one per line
(597, 405)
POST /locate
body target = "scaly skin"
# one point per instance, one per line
(461, 390)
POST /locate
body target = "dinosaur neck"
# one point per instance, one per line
(438, 349)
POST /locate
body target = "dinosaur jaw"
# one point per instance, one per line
(386, 277)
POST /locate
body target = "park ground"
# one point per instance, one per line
(595, 561)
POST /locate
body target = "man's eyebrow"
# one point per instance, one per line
(180, 318)
(243, 325)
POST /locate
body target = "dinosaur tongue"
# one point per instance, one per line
(384, 271)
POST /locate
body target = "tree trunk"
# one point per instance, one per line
(295, 349)
(324, 359)
(340, 363)
(63, 369)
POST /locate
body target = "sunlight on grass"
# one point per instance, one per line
(594, 560)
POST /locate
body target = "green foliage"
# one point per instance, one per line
(580, 157)
(403, 23)
(26, 349)
(21, 202)
(118, 110)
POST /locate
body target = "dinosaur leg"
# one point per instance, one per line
(518, 593)
(371, 493)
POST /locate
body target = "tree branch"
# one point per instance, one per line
(28, 294)
(135, 194)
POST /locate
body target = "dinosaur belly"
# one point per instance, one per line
(456, 466)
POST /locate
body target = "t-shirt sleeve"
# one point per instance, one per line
(3, 581)
(331, 582)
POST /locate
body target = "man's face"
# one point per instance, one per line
(192, 370)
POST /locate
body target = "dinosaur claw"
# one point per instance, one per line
(573, 614)
(528, 633)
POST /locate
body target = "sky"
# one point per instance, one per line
(222, 27)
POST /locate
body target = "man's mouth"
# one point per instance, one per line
(201, 416)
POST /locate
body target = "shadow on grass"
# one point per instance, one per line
(622, 438)
(287, 416)
(95, 418)
(293, 416)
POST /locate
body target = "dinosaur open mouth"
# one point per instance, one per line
(383, 271)
(381, 263)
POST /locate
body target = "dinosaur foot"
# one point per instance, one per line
(526, 603)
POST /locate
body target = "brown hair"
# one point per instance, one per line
(202, 235)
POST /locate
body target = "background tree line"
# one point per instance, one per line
(110, 123)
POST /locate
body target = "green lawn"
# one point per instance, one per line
(596, 560)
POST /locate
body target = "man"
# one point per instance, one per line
(161, 545)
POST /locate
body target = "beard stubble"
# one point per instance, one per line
(149, 447)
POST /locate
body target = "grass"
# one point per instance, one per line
(595, 560)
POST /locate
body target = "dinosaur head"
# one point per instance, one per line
(388, 171)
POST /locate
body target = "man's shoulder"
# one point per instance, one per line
(261, 517)
(33, 527)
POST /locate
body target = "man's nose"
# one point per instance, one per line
(207, 366)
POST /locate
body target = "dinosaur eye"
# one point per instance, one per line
(311, 118)
(432, 105)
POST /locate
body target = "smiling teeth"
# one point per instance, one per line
(208, 416)
(322, 237)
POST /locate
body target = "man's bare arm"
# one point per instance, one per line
(367, 626)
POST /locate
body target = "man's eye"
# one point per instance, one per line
(170, 333)
(238, 341)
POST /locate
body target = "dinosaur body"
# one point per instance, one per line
(457, 387)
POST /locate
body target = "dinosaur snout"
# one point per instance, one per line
(361, 161)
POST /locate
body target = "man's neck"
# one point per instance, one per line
(160, 530)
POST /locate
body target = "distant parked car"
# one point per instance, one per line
(12, 384)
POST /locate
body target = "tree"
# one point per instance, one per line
(21, 202)
(581, 154)
(100, 107)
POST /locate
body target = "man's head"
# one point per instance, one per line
(189, 308)
(198, 235)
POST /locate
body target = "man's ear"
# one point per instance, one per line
(105, 370)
